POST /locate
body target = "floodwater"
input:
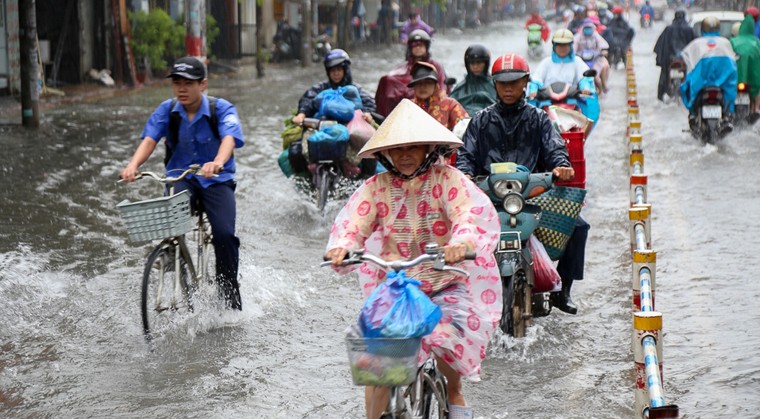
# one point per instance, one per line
(71, 343)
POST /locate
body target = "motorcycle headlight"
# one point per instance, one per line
(502, 187)
(513, 203)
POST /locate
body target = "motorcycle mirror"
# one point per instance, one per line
(450, 81)
(589, 73)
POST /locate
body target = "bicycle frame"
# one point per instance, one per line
(173, 251)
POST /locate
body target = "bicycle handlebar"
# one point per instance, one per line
(432, 253)
(192, 170)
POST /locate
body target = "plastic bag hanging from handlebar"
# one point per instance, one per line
(398, 308)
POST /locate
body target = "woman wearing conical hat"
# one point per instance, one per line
(418, 201)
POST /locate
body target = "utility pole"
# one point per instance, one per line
(195, 28)
(30, 72)
(306, 33)
(259, 40)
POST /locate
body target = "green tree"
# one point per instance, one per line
(154, 36)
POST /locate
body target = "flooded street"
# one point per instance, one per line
(71, 342)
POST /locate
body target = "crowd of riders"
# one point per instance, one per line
(396, 212)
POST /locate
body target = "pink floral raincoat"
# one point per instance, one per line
(395, 218)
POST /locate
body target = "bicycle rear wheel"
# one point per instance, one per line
(166, 294)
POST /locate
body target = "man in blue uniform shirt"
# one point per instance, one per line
(197, 143)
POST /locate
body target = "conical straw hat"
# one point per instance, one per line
(408, 125)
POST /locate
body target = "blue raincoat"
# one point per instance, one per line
(710, 61)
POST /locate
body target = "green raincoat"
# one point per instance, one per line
(475, 93)
(747, 47)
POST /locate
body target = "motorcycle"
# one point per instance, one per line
(676, 74)
(535, 42)
(707, 124)
(566, 96)
(645, 21)
(320, 48)
(590, 57)
(286, 43)
(509, 186)
(743, 104)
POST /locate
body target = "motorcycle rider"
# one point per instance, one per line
(563, 65)
(414, 23)
(587, 39)
(476, 91)
(579, 13)
(536, 18)
(429, 97)
(747, 48)
(755, 13)
(669, 45)
(646, 9)
(710, 61)
(513, 131)
(603, 12)
(391, 88)
(338, 67)
(419, 201)
(618, 34)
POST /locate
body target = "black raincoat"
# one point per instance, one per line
(672, 40)
(308, 106)
(619, 33)
(518, 133)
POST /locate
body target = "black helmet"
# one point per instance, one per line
(710, 24)
(335, 58)
(680, 13)
(419, 35)
(476, 53)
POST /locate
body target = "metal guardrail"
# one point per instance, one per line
(646, 340)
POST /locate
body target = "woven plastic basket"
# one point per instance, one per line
(560, 207)
(157, 218)
(383, 362)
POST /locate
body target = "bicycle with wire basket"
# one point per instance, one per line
(171, 275)
(415, 392)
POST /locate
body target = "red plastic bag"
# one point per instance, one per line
(359, 130)
(545, 275)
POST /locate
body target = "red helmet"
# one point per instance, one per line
(754, 12)
(617, 10)
(509, 67)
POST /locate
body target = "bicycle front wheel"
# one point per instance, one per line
(166, 294)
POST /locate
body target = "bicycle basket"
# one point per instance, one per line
(384, 362)
(157, 218)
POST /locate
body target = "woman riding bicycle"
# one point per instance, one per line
(395, 214)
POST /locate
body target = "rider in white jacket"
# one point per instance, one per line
(563, 65)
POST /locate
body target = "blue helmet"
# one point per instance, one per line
(335, 58)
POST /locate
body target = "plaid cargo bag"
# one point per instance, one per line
(560, 207)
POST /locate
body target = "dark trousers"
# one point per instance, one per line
(570, 266)
(218, 201)
(662, 85)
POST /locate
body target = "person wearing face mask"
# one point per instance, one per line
(591, 45)
(476, 91)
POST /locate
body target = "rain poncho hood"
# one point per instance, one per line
(475, 92)
(747, 47)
